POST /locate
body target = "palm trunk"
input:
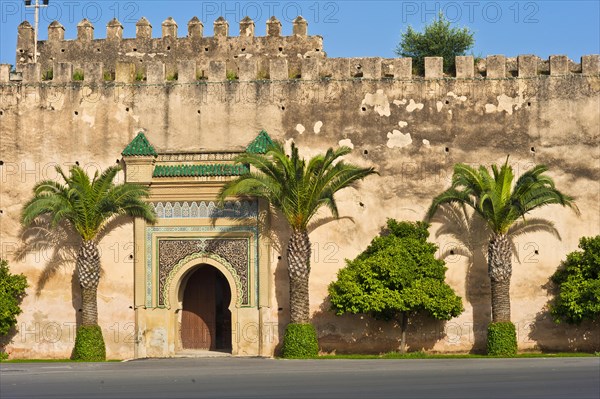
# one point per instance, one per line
(299, 269)
(88, 271)
(403, 327)
(500, 271)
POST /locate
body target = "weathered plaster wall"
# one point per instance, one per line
(413, 130)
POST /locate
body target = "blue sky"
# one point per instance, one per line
(349, 28)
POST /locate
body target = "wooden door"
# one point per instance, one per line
(198, 319)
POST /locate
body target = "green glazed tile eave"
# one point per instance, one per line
(260, 144)
(139, 146)
(200, 170)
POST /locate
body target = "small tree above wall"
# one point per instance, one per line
(395, 278)
(438, 39)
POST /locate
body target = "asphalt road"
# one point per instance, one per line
(267, 378)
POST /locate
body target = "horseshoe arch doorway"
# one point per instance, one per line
(206, 318)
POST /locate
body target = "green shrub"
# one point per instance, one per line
(300, 341)
(12, 291)
(262, 75)
(231, 75)
(397, 277)
(89, 344)
(139, 76)
(3, 356)
(48, 75)
(78, 75)
(578, 282)
(502, 339)
(172, 77)
(108, 76)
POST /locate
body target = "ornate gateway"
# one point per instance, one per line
(201, 271)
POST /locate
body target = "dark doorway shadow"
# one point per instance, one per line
(206, 318)
(470, 236)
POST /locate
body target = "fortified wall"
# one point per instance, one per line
(101, 93)
(169, 49)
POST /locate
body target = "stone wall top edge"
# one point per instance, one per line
(310, 67)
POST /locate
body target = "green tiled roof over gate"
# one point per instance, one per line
(199, 170)
(260, 143)
(139, 146)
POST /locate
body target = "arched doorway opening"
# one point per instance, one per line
(206, 318)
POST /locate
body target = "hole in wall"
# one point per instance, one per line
(1, 211)
(366, 152)
(168, 48)
(118, 161)
(127, 109)
(451, 252)
(134, 49)
(447, 149)
(529, 104)
(22, 51)
(536, 252)
(317, 49)
(532, 149)
(1, 112)
(447, 102)
(280, 49)
(77, 163)
(76, 113)
(243, 49)
(361, 204)
(283, 108)
(363, 109)
(1, 163)
(199, 112)
(131, 256)
(279, 257)
(62, 50)
(98, 50)
(280, 309)
(205, 48)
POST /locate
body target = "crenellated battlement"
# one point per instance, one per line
(197, 59)
(169, 48)
(248, 69)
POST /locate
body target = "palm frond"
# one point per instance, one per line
(533, 225)
(87, 204)
(494, 197)
(298, 188)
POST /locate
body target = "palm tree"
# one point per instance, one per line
(88, 208)
(503, 208)
(470, 234)
(298, 189)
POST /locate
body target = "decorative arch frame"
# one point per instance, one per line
(172, 290)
